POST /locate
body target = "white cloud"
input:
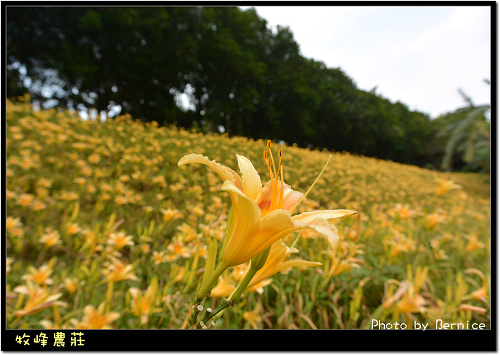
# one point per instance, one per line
(420, 55)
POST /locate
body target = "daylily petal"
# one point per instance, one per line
(223, 288)
(290, 198)
(264, 198)
(286, 265)
(327, 214)
(275, 262)
(273, 226)
(323, 228)
(246, 224)
(251, 179)
(224, 172)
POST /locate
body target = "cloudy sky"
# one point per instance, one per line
(419, 56)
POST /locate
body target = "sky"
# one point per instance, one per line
(418, 55)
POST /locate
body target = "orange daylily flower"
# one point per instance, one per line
(276, 263)
(39, 299)
(480, 294)
(263, 215)
(143, 301)
(445, 185)
(40, 276)
(96, 318)
(223, 288)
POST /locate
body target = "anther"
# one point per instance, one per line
(280, 164)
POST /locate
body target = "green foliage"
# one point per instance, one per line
(468, 133)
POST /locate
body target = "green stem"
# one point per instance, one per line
(225, 303)
(207, 286)
(235, 296)
(194, 316)
(256, 265)
(203, 292)
(109, 294)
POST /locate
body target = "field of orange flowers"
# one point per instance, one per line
(105, 230)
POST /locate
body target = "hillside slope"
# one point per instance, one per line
(99, 212)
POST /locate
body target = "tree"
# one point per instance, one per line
(469, 135)
(238, 74)
(103, 55)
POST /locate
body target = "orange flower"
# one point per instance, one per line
(263, 215)
(223, 288)
(276, 263)
(50, 237)
(39, 299)
(170, 213)
(481, 294)
(117, 271)
(473, 243)
(142, 302)
(96, 318)
(40, 276)
(445, 185)
(120, 240)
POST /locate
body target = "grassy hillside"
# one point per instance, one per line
(105, 230)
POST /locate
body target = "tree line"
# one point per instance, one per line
(242, 78)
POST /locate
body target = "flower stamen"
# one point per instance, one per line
(282, 176)
(277, 197)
